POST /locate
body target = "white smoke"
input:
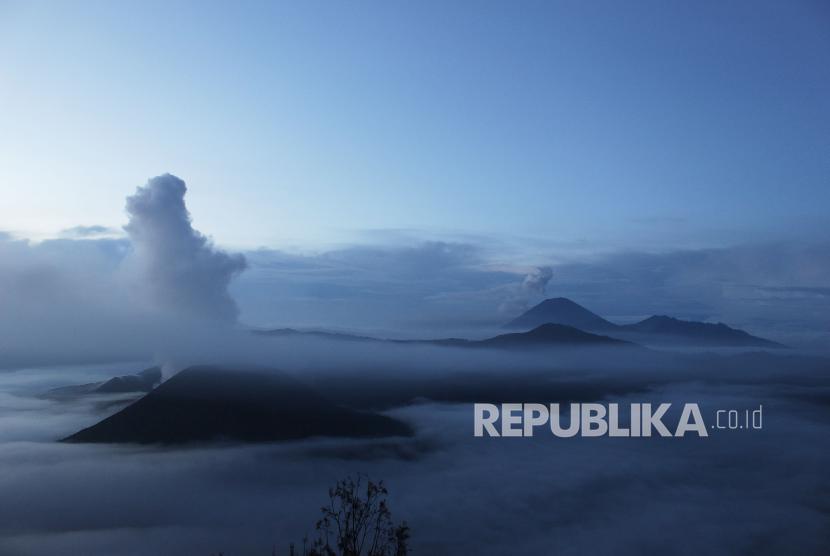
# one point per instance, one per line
(536, 282)
(178, 267)
(533, 286)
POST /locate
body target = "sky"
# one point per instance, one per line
(416, 168)
(306, 125)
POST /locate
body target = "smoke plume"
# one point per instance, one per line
(179, 268)
(533, 286)
(536, 282)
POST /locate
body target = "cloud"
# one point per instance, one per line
(759, 492)
(418, 287)
(89, 232)
(115, 297)
(178, 267)
(774, 289)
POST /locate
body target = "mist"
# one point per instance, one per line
(489, 496)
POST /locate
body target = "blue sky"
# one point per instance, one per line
(650, 125)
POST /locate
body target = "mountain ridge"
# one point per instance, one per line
(548, 334)
(659, 328)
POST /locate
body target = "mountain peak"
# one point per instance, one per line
(560, 310)
(205, 404)
(657, 328)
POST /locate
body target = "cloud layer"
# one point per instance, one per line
(779, 290)
(737, 492)
(91, 298)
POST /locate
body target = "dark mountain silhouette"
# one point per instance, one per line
(560, 310)
(283, 332)
(550, 334)
(701, 333)
(545, 335)
(655, 329)
(204, 404)
(144, 381)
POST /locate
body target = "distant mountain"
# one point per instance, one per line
(204, 404)
(550, 335)
(285, 332)
(700, 333)
(560, 310)
(545, 335)
(144, 381)
(655, 329)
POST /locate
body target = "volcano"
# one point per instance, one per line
(209, 404)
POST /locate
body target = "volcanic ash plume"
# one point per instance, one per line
(536, 282)
(179, 269)
(533, 286)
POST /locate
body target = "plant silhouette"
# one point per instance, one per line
(357, 522)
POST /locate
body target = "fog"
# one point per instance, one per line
(760, 491)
